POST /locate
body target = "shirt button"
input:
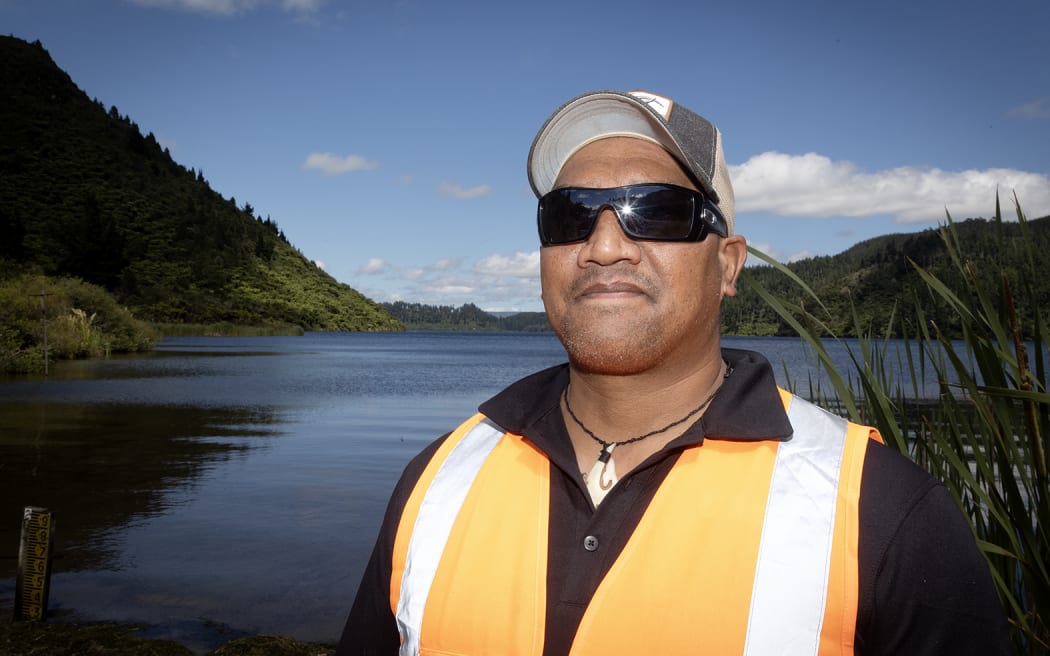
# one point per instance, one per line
(590, 543)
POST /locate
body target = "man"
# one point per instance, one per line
(659, 494)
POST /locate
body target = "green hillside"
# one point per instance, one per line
(877, 278)
(84, 194)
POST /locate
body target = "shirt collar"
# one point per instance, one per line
(747, 407)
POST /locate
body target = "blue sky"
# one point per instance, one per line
(388, 139)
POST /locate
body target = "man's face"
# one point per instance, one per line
(622, 306)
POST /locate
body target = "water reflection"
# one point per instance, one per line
(223, 486)
(101, 468)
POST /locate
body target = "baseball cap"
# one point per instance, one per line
(688, 137)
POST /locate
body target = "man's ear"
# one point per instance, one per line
(732, 253)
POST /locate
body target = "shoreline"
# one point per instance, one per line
(56, 638)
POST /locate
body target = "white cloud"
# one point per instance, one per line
(447, 264)
(1037, 109)
(454, 289)
(330, 164)
(815, 186)
(453, 190)
(319, 264)
(373, 266)
(801, 255)
(496, 281)
(518, 265)
(230, 7)
(764, 247)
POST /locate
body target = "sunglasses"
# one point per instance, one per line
(657, 212)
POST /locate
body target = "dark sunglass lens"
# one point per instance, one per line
(657, 212)
(660, 213)
(563, 218)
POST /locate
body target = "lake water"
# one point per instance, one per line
(219, 487)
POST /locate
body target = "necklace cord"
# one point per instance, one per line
(606, 444)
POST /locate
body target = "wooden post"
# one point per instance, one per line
(34, 564)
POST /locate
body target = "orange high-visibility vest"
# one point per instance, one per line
(748, 547)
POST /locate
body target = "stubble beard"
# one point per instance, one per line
(623, 342)
(607, 339)
(611, 343)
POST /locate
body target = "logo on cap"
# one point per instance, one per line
(658, 104)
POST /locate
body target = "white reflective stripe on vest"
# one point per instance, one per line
(438, 512)
(791, 575)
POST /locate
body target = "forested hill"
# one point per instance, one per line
(84, 194)
(876, 279)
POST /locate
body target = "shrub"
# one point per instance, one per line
(74, 318)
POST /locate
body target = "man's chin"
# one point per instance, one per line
(611, 355)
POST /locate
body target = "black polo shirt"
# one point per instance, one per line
(924, 586)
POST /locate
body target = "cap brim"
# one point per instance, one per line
(588, 118)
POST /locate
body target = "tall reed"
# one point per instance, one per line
(986, 433)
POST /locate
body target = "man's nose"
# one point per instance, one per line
(608, 242)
